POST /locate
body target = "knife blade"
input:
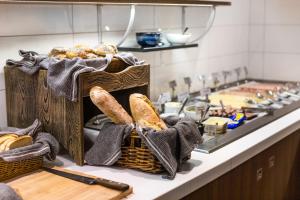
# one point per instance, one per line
(88, 180)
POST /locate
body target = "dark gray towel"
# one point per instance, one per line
(29, 63)
(31, 130)
(7, 193)
(44, 145)
(171, 146)
(62, 74)
(107, 147)
(174, 145)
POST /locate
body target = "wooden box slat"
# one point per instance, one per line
(131, 77)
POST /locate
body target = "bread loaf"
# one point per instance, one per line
(144, 113)
(12, 141)
(109, 106)
(21, 141)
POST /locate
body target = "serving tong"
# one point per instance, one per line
(173, 85)
(226, 74)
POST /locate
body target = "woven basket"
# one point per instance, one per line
(10, 170)
(136, 155)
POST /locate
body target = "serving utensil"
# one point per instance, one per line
(173, 85)
(188, 82)
(183, 104)
(185, 30)
(238, 73)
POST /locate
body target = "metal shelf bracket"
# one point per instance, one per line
(209, 24)
(130, 25)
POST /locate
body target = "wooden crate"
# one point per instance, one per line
(28, 97)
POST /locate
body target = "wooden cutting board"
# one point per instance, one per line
(42, 185)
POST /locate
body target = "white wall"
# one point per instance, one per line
(274, 48)
(42, 27)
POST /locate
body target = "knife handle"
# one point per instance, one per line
(112, 184)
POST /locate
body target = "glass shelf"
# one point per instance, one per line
(156, 48)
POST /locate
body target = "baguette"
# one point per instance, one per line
(109, 106)
(144, 113)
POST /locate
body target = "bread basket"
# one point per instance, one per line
(10, 170)
(136, 155)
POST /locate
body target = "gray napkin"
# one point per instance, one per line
(107, 147)
(174, 145)
(7, 193)
(62, 74)
(44, 145)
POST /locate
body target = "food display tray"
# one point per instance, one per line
(219, 141)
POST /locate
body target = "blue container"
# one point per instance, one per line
(148, 39)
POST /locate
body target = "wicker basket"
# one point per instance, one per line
(10, 170)
(136, 155)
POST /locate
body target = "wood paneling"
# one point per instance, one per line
(280, 179)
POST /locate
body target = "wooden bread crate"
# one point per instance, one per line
(28, 97)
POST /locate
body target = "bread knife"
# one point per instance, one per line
(88, 180)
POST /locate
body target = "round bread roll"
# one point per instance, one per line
(144, 113)
(109, 106)
(104, 49)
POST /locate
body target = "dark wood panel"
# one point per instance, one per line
(280, 178)
(144, 2)
(20, 98)
(134, 76)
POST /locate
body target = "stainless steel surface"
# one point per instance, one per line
(270, 115)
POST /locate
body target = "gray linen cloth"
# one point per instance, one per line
(107, 147)
(7, 193)
(44, 145)
(171, 147)
(62, 74)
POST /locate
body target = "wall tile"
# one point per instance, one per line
(257, 11)
(256, 38)
(282, 12)
(3, 117)
(25, 19)
(179, 56)
(167, 17)
(286, 64)
(90, 39)
(256, 65)
(153, 58)
(85, 18)
(110, 37)
(229, 63)
(283, 38)
(237, 14)
(224, 40)
(197, 16)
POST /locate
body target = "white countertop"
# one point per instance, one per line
(202, 168)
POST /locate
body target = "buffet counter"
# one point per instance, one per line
(202, 168)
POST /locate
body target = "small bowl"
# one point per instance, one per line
(148, 39)
(190, 111)
(176, 38)
(172, 107)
